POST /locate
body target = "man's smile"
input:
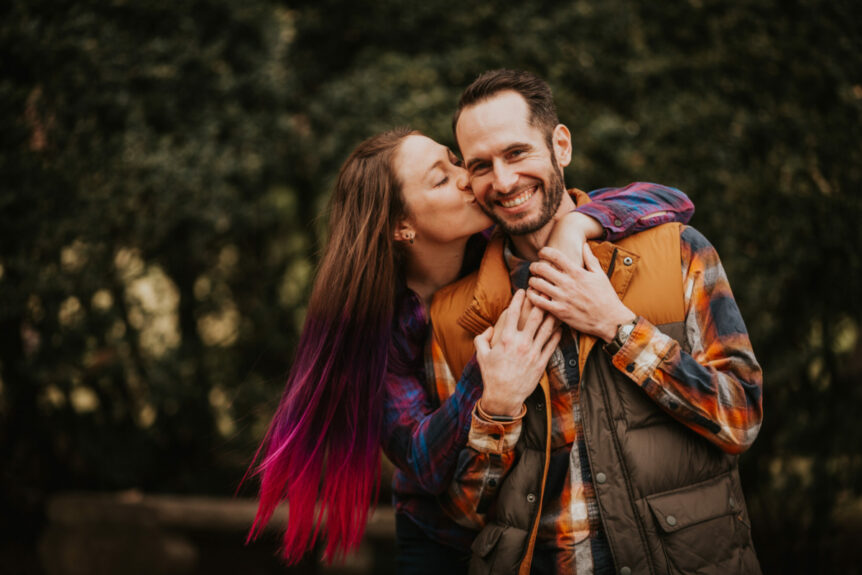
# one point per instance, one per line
(519, 198)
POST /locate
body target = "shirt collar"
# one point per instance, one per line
(519, 268)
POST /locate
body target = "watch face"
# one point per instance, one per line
(625, 331)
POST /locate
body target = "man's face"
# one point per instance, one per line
(516, 179)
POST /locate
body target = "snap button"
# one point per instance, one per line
(628, 261)
(492, 482)
(626, 571)
(630, 367)
(671, 520)
(601, 477)
(732, 502)
(573, 363)
(539, 406)
(618, 222)
(531, 498)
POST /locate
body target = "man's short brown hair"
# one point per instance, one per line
(536, 92)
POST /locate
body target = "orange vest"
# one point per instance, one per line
(462, 310)
(645, 270)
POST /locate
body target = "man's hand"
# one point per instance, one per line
(512, 358)
(571, 233)
(582, 298)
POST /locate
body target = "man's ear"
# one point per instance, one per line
(404, 231)
(562, 141)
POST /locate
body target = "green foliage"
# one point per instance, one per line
(149, 224)
(193, 145)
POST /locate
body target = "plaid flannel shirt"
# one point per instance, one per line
(715, 390)
(428, 415)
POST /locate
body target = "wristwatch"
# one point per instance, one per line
(624, 330)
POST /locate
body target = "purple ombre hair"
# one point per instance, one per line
(323, 443)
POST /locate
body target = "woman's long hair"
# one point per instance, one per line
(323, 443)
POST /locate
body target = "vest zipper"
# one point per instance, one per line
(618, 452)
(613, 263)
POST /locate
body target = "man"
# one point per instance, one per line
(623, 458)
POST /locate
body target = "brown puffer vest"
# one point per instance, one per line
(669, 500)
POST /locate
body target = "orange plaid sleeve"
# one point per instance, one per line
(716, 389)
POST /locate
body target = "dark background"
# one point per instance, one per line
(165, 165)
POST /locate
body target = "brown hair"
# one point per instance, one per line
(537, 93)
(323, 443)
(361, 254)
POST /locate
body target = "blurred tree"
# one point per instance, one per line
(152, 249)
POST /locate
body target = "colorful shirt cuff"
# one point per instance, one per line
(644, 350)
(615, 225)
(491, 436)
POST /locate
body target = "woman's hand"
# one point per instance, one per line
(582, 298)
(571, 233)
(512, 358)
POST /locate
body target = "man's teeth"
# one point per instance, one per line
(519, 199)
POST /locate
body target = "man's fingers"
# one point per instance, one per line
(483, 341)
(590, 261)
(546, 270)
(526, 308)
(550, 346)
(534, 319)
(546, 288)
(550, 306)
(556, 257)
(546, 329)
(498, 330)
(514, 311)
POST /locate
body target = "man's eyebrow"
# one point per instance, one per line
(516, 146)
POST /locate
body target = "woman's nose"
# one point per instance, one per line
(462, 180)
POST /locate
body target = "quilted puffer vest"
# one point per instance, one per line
(670, 501)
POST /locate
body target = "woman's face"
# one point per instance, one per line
(440, 204)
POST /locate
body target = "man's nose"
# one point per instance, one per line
(505, 178)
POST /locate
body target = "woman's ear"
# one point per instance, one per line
(404, 232)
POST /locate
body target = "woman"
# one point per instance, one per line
(401, 219)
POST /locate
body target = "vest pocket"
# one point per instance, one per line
(702, 528)
(487, 539)
(497, 549)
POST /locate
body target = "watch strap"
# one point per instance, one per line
(622, 335)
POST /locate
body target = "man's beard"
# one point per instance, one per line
(551, 197)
